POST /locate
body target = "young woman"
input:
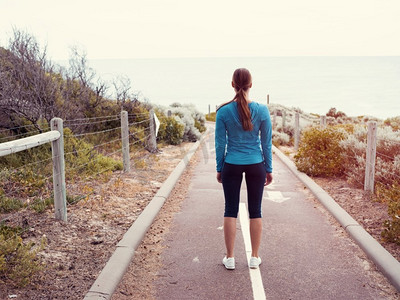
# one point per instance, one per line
(243, 142)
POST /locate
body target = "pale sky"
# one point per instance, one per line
(207, 28)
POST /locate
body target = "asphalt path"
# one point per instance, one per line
(305, 254)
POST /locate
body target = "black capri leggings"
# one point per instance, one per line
(232, 175)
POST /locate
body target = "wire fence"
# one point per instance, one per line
(91, 123)
(21, 135)
(93, 118)
(86, 158)
(384, 159)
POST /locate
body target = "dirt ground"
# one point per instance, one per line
(78, 250)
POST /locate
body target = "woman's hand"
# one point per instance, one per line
(219, 179)
(268, 179)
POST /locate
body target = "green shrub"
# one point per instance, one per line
(22, 180)
(40, 205)
(171, 130)
(192, 120)
(211, 116)
(280, 138)
(8, 231)
(335, 114)
(199, 125)
(394, 123)
(319, 153)
(83, 159)
(8, 204)
(31, 182)
(391, 195)
(20, 174)
(19, 261)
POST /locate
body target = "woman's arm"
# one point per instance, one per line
(266, 141)
(220, 141)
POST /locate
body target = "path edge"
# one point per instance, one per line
(385, 262)
(112, 273)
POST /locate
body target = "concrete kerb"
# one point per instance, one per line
(389, 266)
(114, 270)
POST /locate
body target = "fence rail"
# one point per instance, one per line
(370, 150)
(28, 142)
(56, 137)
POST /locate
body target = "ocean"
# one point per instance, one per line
(355, 85)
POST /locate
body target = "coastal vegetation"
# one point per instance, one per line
(211, 116)
(33, 90)
(339, 151)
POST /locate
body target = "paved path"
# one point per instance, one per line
(305, 255)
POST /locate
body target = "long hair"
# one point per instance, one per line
(242, 82)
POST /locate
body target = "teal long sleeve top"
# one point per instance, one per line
(236, 146)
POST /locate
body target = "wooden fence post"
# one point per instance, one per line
(169, 113)
(152, 147)
(323, 121)
(125, 141)
(370, 159)
(296, 132)
(267, 98)
(57, 149)
(274, 119)
(283, 120)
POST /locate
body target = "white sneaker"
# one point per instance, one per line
(254, 262)
(229, 263)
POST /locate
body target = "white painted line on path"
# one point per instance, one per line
(255, 274)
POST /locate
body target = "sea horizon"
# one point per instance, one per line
(356, 85)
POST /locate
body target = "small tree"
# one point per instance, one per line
(28, 88)
(320, 152)
(335, 114)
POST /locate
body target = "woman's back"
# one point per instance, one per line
(242, 147)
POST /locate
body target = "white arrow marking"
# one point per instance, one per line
(276, 196)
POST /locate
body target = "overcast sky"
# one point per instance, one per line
(186, 28)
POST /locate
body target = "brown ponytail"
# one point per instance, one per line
(242, 82)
